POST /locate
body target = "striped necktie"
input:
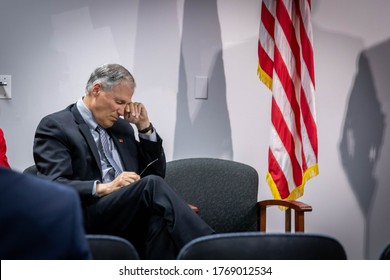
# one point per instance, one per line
(106, 150)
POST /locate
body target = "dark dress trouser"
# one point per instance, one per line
(153, 217)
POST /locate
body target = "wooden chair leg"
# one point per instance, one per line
(299, 221)
(288, 220)
(263, 219)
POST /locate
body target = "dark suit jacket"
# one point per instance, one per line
(39, 219)
(64, 150)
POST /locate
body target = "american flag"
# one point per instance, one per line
(286, 67)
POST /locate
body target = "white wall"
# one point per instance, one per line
(51, 46)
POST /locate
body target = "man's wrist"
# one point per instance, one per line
(147, 129)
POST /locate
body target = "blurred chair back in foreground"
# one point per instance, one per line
(31, 170)
(385, 255)
(109, 247)
(263, 246)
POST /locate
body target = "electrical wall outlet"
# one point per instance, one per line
(5, 87)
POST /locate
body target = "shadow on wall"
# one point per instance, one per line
(202, 125)
(362, 140)
(362, 135)
(157, 46)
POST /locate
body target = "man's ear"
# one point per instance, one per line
(96, 89)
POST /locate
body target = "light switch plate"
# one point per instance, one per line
(5, 87)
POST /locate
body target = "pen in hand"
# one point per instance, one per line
(146, 167)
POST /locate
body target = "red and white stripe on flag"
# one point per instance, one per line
(286, 67)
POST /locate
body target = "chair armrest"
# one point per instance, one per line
(299, 207)
(296, 205)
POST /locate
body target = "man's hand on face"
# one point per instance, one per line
(136, 113)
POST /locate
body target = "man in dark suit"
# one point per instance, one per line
(91, 146)
(39, 219)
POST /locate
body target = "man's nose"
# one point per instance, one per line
(121, 110)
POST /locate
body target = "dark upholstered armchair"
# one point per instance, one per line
(224, 191)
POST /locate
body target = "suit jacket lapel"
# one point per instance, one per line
(87, 135)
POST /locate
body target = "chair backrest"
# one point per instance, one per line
(263, 246)
(108, 247)
(31, 170)
(225, 191)
(385, 255)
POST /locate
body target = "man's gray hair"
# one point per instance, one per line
(109, 75)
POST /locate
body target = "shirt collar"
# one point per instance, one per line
(86, 114)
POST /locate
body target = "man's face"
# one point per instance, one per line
(109, 105)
